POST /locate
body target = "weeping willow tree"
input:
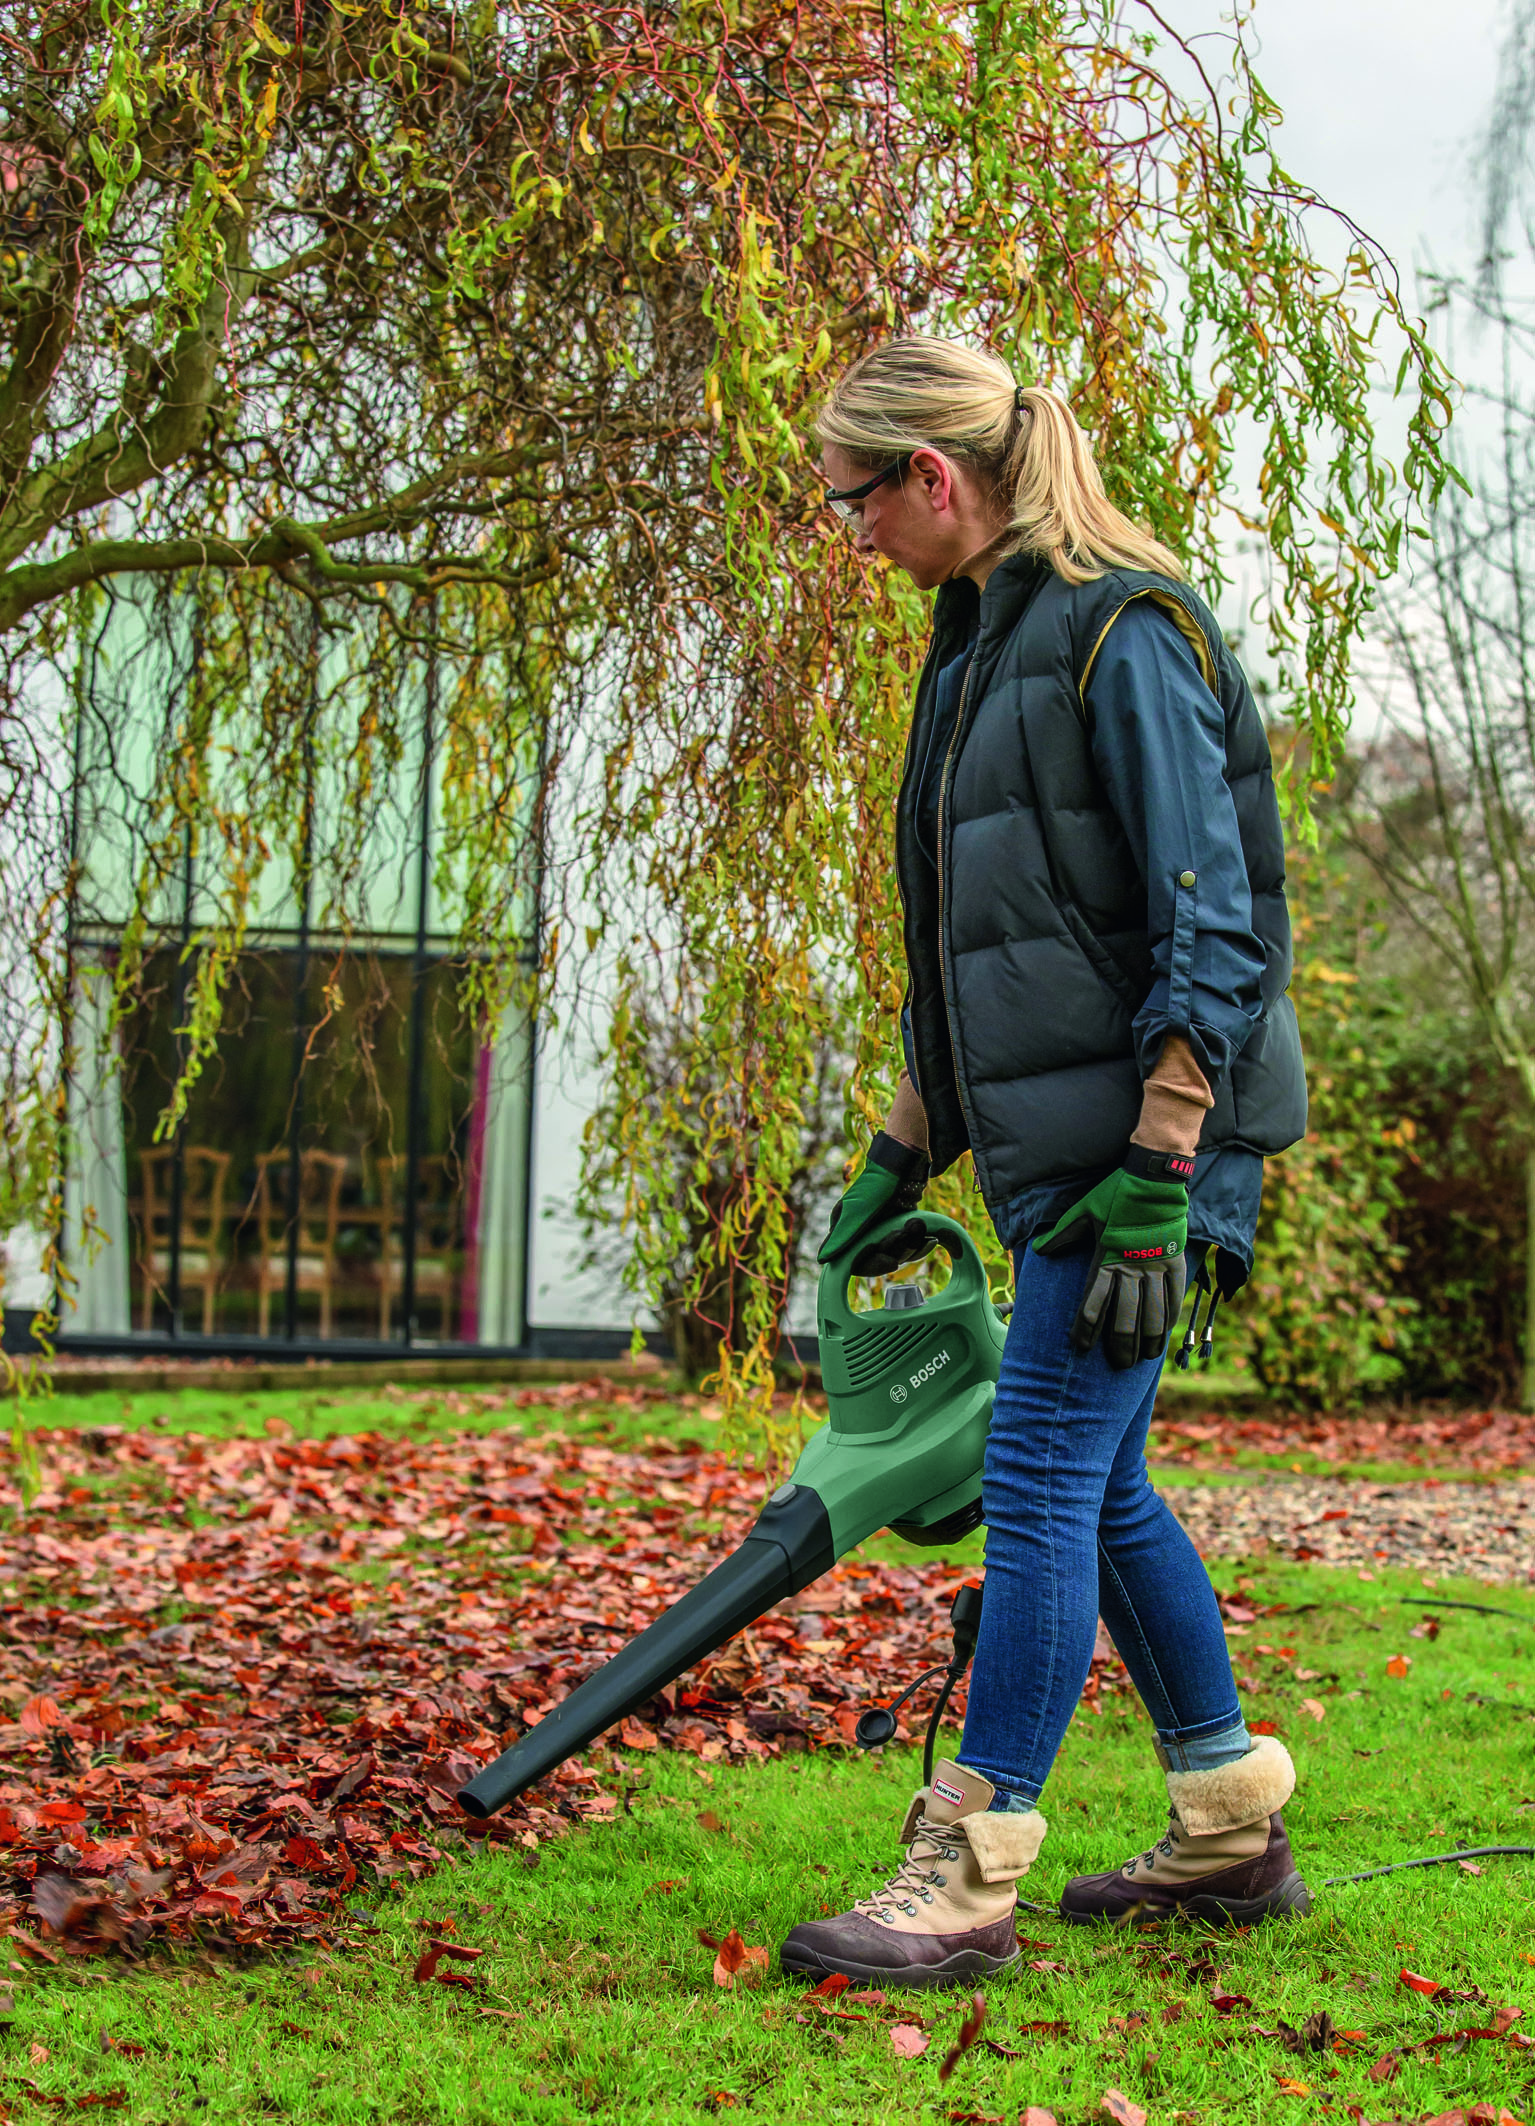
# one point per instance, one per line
(483, 338)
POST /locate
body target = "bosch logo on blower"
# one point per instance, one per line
(934, 1365)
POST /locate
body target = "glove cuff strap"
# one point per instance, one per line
(905, 1161)
(1147, 1165)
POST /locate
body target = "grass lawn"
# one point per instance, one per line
(594, 1998)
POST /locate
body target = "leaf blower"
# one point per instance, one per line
(910, 1387)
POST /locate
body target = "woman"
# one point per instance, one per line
(1092, 871)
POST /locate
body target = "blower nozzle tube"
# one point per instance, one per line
(789, 1546)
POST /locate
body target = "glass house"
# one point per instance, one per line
(352, 1169)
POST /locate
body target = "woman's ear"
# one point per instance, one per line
(930, 479)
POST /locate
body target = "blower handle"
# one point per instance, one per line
(968, 1282)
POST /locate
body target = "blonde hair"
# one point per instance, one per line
(1024, 443)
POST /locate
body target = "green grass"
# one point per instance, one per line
(604, 2002)
(323, 1413)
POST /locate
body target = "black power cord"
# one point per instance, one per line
(1482, 1609)
(1434, 1860)
(877, 1726)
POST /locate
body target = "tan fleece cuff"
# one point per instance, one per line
(1174, 1101)
(907, 1119)
(1228, 1797)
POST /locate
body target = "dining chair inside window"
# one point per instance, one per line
(438, 1256)
(202, 1251)
(319, 1214)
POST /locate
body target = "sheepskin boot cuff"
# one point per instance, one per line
(1005, 1842)
(1231, 1795)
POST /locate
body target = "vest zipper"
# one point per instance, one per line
(943, 941)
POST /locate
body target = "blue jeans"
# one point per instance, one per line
(1074, 1532)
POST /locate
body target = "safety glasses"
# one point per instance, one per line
(846, 500)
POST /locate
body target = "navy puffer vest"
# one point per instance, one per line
(1028, 952)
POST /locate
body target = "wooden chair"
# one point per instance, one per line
(436, 1267)
(320, 1175)
(201, 1239)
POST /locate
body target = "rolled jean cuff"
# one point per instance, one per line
(1013, 1796)
(1202, 1753)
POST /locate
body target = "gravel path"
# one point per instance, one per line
(1486, 1531)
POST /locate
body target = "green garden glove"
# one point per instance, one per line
(892, 1179)
(1137, 1222)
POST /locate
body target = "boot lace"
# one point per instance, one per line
(1166, 1845)
(915, 1880)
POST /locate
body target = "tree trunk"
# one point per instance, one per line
(1527, 1389)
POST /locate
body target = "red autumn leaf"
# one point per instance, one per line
(123, 2046)
(1036, 2115)
(1113, 2104)
(1263, 1727)
(908, 2041)
(739, 1961)
(39, 1714)
(1173, 2012)
(835, 1982)
(434, 1952)
(1398, 1665)
(303, 1852)
(1430, 1986)
(1227, 2003)
(969, 2030)
(1386, 2069)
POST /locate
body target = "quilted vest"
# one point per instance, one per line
(1028, 953)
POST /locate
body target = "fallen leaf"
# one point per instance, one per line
(664, 1889)
(37, 2054)
(434, 1952)
(908, 2041)
(1036, 2115)
(1227, 2003)
(1113, 2104)
(969, 2030)
(708, 1821)
(1430, 1986)
(1289, 2088)
(739, 1960)
(1385, 2069)
(1173, 2012)
(123, 2046)
(834, 1983)
(1399, 1664)
(1468, 1867)
(1314, 1707)
(1315, 2034)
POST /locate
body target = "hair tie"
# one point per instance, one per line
(1019, 390)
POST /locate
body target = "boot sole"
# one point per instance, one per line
(1291, 1900)
(966, 1964)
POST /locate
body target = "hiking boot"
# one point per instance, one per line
(1225, 1857)
(947, 1912)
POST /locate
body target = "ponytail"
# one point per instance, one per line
(1022, 442)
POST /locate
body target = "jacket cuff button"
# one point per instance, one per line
(1185, 878)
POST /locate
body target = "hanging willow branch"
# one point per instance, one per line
(488, 335)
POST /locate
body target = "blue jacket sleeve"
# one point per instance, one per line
(1158, 739)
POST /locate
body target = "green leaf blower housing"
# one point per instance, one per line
(910, 1387)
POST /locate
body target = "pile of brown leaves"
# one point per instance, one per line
(247, 1677)
(1483, 1440)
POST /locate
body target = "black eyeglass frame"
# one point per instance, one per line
(838, 498)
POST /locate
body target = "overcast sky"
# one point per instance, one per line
(1383, 101)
